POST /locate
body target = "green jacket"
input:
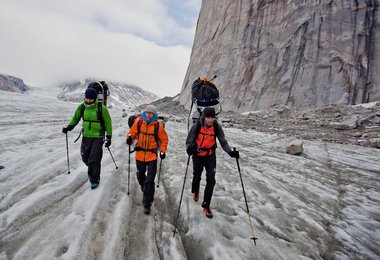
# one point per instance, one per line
(91, 124)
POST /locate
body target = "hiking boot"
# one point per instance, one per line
(195, 196)
(208, 212)
(146, 210)
(94, 185)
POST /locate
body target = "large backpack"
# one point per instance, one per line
(102, 89)
(204, 94)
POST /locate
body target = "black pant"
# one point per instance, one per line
(209, 163)
(146, 180)
(92, 153)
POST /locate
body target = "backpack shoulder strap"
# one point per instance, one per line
(198, 129)
(139, 123)
(156, 128)
(82, 110)
(100, 114)
(216, 130)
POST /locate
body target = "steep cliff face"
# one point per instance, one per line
(300, 53)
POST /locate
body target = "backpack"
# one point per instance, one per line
(131, 120)
(103, 91)
(204, 94)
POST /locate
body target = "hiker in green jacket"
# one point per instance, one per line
(96, 125)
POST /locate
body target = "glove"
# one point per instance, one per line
(108, 141)
(67, 128)
(129, 140)
(162, 155)
(234, 154)
(192, 149)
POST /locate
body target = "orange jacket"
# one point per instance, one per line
(146, 148)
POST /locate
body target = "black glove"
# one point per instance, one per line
(162, 155)
(108, 141)
(192, 149)
(67, 128)
(129, 140)
(234, 154)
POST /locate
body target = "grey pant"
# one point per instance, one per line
(92, 153)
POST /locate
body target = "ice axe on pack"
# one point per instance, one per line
(246, 203)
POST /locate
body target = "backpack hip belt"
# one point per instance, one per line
(154, 150)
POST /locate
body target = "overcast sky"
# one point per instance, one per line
(145, 42)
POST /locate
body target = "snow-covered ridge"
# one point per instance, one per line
(12, 84)
(121, 94)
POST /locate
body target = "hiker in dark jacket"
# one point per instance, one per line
(201, 144)
(95, 127)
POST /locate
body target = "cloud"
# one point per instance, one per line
(46, 42)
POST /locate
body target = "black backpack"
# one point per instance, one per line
(102, 89)
(131, 120)
(204, 93)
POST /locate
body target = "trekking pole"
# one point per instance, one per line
(246, 203)
(67, 154)
(112, 158)
(129, 165)
(180, 200)
(159, 172)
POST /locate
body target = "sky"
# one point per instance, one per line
(323, 204)
(146, 43)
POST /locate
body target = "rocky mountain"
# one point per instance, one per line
(121, 94)
(303, 54)
(12, 84)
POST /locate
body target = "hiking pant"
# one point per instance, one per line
(146, 180)
(209, 163)
(92, 153)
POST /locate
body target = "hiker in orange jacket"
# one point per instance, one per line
(151, 139)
